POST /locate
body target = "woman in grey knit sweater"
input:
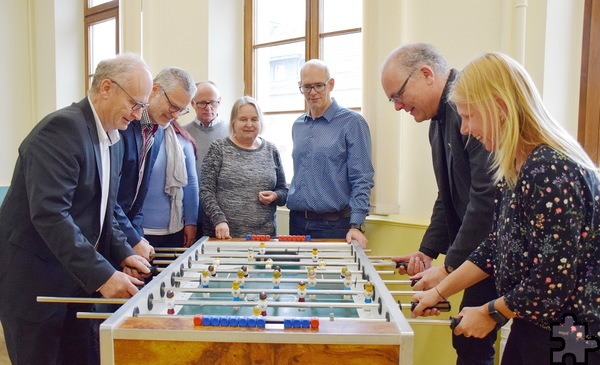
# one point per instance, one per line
(242, 178)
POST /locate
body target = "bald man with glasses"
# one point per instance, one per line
(206, 128)
(333, 173)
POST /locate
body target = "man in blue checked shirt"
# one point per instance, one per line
(333, 173)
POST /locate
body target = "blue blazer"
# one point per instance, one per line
(50, 217)
(128, 210)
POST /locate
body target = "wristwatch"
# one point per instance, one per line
(496, 316)
(360, 227)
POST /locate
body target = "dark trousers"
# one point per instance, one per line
(61, 339)
(299, 225)
(167, 240)
(470, 350)
(529, 344)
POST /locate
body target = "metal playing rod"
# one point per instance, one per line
(42, 299)
(280, 263)
(93, 315)
(267, 291)
(170, 249)
(232, 303)
(263, 280)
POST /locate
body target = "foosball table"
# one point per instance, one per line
(260, 300)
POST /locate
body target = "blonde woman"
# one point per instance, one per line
(543, 250)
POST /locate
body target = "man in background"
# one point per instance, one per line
(206, 128)
(333, 173)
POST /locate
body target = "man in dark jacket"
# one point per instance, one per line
(416, 78)
(57, 232)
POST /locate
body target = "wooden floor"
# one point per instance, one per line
(3, 355)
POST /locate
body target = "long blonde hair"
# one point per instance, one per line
(513, 114)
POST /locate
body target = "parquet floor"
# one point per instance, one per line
(3, 354)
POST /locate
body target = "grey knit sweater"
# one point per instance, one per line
(232, 177)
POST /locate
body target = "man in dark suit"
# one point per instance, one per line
(58, 236)
(142, 140)
(416, 78)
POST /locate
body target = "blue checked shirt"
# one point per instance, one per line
(332, 163)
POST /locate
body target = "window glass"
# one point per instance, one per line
(102, 38)
(276, 20)
(92, 3)
(278, 130)
(343, 55)
(277, 72)
(341, 14)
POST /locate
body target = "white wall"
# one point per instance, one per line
(44, 68)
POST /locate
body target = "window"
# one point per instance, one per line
(280, 36)
(101, 33)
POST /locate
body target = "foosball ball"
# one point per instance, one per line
(261, 300)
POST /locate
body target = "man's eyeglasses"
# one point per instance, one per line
(205, 104)
(306, 89)
(136, 104)
(172, 107)
(397, 97)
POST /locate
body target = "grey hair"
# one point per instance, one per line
(235, 110)
(413, 55)
(170, 78)
(114, 68)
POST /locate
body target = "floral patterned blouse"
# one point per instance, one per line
(544, 247)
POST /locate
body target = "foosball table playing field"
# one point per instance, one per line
(261, 301)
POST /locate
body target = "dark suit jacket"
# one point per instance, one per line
(463, 212)
(50, 218)
(129, 207)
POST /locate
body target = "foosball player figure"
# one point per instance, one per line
(241, 278)
(245, 270)
(263, 304)
(170, 301)
(205, 280)
(315, 254)
(269, 263)
(235, 292)
(262, 248)
(322, 264)
(276, 280)
(212, 269)
(347, 282)
(312, 282)
(301, 292)
(343, 272)
(250, 254)
(368, 287)
(216, 262)
(256, 310)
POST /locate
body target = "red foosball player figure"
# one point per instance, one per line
(301, 291)
(245, 270)
(263, 304)
(170, 301)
